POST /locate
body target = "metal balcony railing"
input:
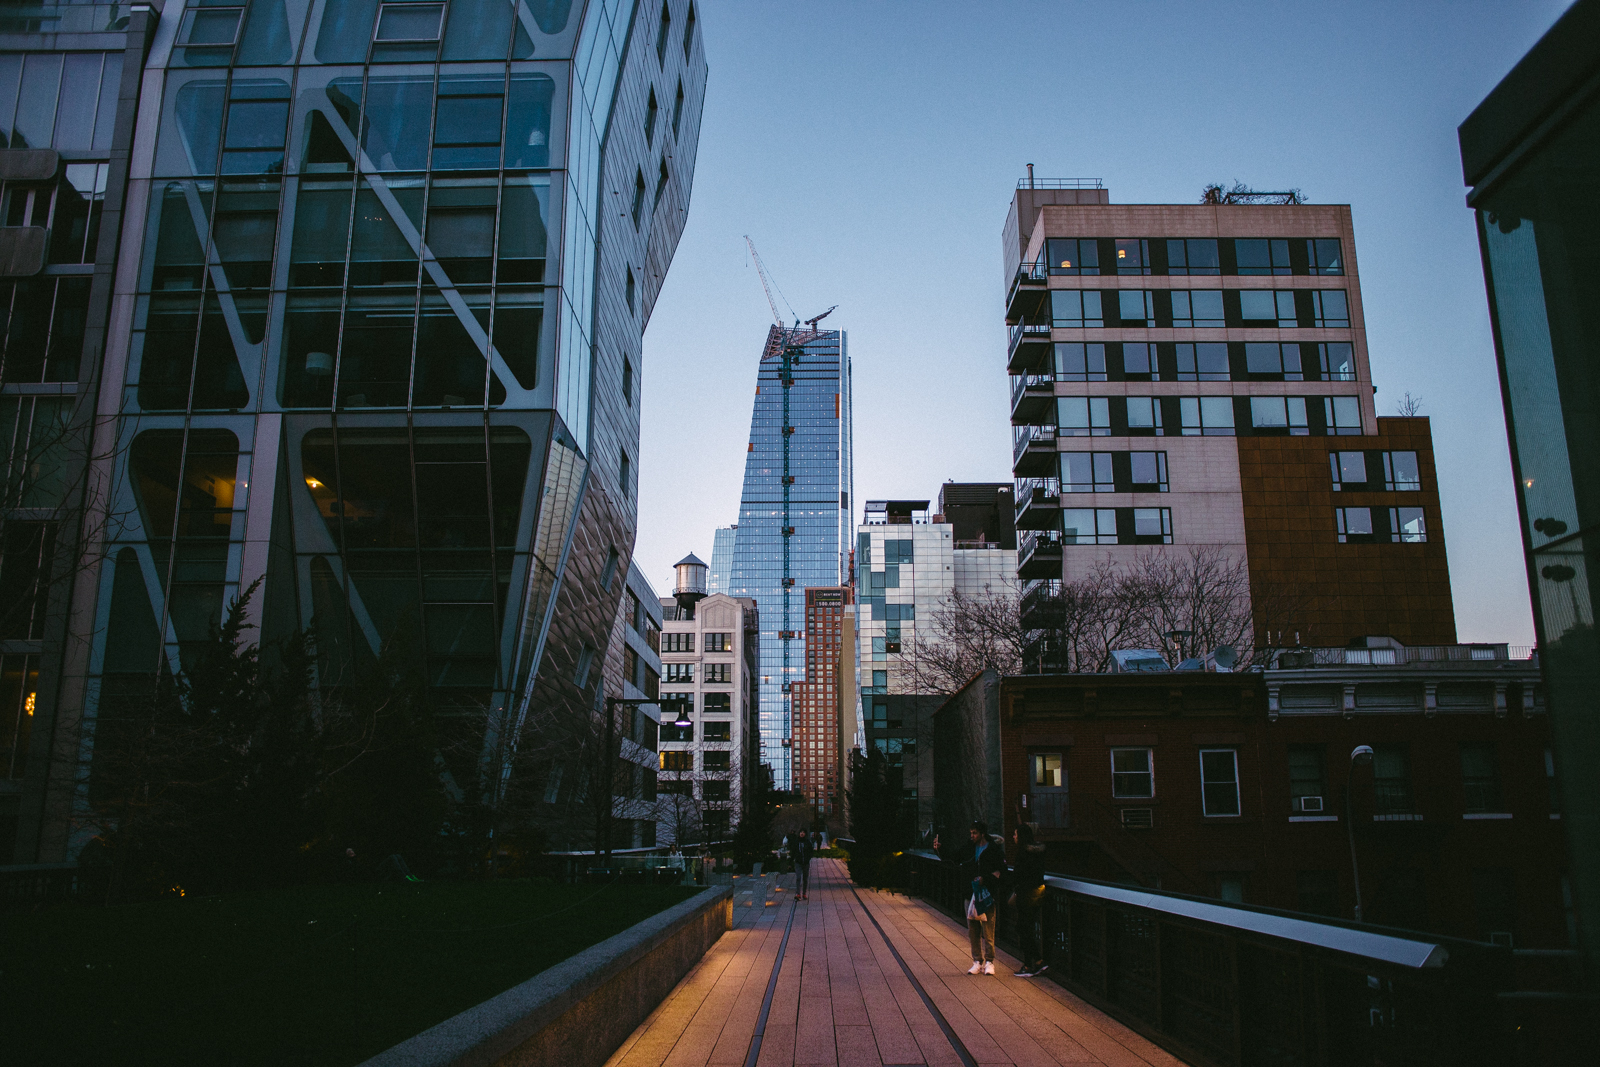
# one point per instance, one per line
(1024, 436)
(1220, 985)
(1026, 331)
(1022, 383)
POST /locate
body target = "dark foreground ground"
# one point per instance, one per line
(317, 975)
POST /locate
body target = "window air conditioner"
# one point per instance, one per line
(1138, 818)
(1310, 803)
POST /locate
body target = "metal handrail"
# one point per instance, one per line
(1293, 658)
(1027, 435)
(1060, 183)
(1032, 541)
(1021, 383)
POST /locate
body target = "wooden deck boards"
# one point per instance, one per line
(841, 999)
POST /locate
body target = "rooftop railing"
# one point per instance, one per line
(1222, 984)
(1061, 183)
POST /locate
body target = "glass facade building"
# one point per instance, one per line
(794, 511)
(1531, 153)
(371, 335)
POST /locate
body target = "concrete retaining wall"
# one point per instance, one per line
(577, 1013)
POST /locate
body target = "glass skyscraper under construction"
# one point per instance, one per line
(794, 514)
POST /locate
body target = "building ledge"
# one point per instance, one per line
(1487, 815)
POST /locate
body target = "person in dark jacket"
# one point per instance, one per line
(985, 868)
(1027, 895)
(800, 852)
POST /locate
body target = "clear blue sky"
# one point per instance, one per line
(870, 149)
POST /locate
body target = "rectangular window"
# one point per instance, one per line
(1391, 780)
(1401, 472)
(718, 672)
(718, 761)
(1480, 779)
(677, 111)
(1272, 361)
(1087, 472)
(1337, 361)
(1048, 771)
(716, 792)
(1259, 255)
(663, 28)
(624, 474)
(1198, 308)
(1408, 525)
(1219, 781)
(1089, 526)
(1075, 308)
(1139, 363)
(1266, 307)
(717, 731)
(1151, 526)
(716, 642)
(679, 672)
(717, 703)
(1144, 416)
(672, 702)
(1073, 255)
(1136, 307)
(1276, 415)
(1133, 255)
(1076, 362)
(1206, 361)
(676, 761)
(1193, 255)
(652, 109)
(1147, 472)
(1342, 415)
(1355, 525)
(688, 34)
(1329, 308)
(1349, 470)
(669, 732)
(1083, 416)
(627, 370)
(1132, 773)
(1307, 778)
(1323, 255)
(661, 186)
(1207, 416)
(580, 673)
(677, 642)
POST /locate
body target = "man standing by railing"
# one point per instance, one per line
(1027, 895)
(985, 868)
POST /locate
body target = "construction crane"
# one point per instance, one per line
(766, 287)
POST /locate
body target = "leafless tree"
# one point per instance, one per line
(1409, 406)
(967, 633)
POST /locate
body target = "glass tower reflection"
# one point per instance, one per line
(794, 512)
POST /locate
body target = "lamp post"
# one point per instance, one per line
(1361, 755)
(1177, 638)
(609, 799)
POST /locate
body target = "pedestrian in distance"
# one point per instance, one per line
(986, 871)
(800, 852)
(1027, 894)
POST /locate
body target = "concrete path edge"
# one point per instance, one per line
(577, 1013)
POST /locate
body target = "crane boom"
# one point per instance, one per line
(765, 286)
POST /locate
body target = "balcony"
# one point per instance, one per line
(1039, 504)
(1029, 349)
(1033, 452)
(1033, 400)
(1029, 290)
(1039, 555)
(1041, 606)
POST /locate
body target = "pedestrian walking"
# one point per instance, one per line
(800, 852)
(986, 870)
(1026, 897)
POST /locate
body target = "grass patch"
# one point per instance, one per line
(324, 976)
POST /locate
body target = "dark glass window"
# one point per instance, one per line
(651, 110)
(1193, 255)
(1391, 780)
(1144, 416)
(1266, 307)
(663, 28)
(1071, 308)
(1073, 255)
(1276, 415)
(1133, 256)
(677, 111)
(1136, 307)
(1198, 308)
(1139, 363)
(1080, 416)
(1076, 362)
(1132, 772)
(467, 125)
(1271, 361)
(1307, 778)
(258, 123)
(1219, 781)
(1147, 472)
(1355, 525)
(1208, 416)
(1256, 255)
(1400, 472)
(1408, 525)
(1204, 361)
(1337, 360)
(1329, 308)
(1323, 255)
(661, 186)
(638, 197)
(1086, 472)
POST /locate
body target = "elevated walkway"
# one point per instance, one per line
(865, 979)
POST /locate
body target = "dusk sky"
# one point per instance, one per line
(870, 150)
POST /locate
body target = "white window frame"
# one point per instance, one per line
(1150, 769)
(1238, 795)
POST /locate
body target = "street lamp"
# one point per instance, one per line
(682, 719)
(1177, 638)
(1361, 756)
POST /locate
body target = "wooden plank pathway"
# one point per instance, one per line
(841, 997)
